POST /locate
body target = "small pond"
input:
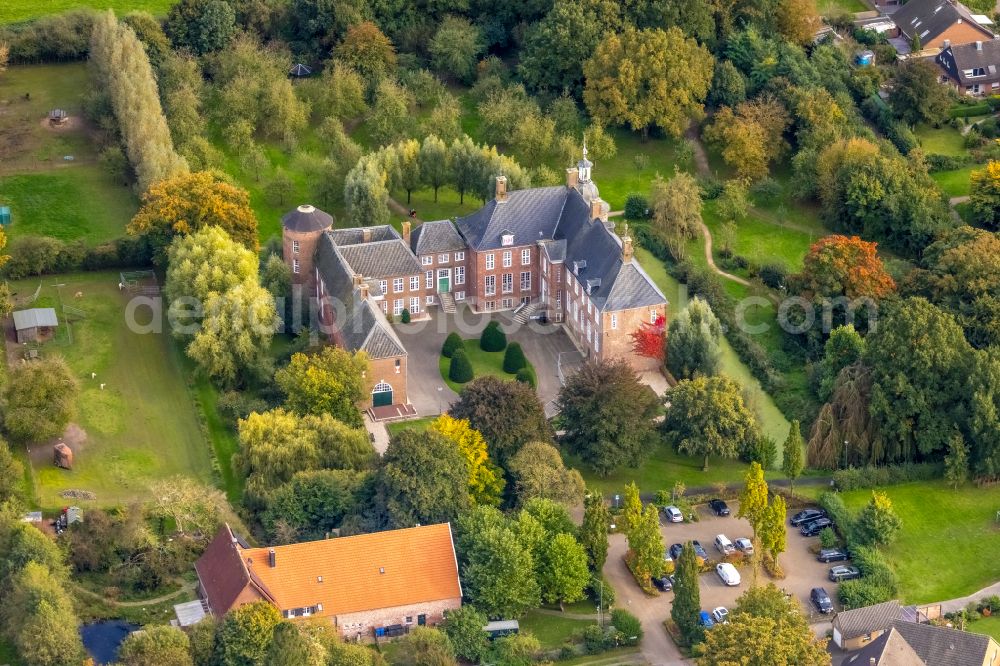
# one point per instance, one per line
(102, 639)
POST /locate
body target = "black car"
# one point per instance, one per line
(675, 551)
(807, 515)
(719, 507)
(821, 600)
(833, 555)
(815, 527)
(699, 551)
(843, 572)
(663, 583)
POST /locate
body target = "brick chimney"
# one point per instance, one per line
(406, 232)
(501, 193)
(357, 280)
(572, 178)
(627, 250)
(363, 291)
(272, 559)
(599, 209)
(366, 235)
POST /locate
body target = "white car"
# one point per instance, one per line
(673, 514)
(720, 615)
(724, 545)
(728, 573)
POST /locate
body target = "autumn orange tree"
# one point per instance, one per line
(844, 266)
(192, 201)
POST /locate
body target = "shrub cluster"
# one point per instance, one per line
(980, 109)
(452, 343)
(877, 584)
(937, 162)
(854, 478)
(526, 375)
(838, 513)
(56, 37)
(460, 370)
(636, 207)
(493, 339)
(40, 255)
(513, 359)
(901, 136)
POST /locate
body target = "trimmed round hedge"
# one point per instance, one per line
(460, 370)
(452, 343)
(493, 338)
(513, 358)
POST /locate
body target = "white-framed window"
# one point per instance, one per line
(414, 304)
(397, 366)
(414, 282)
(429, 279)
(429, 300)
(597, 344)
(525, 280)
(427, 260)
(443, 258)
(491, 284)
(409, 619)
(459, 274)
(491, 305)
(653, 314)
(296, 268)
(397, 285)
(558, 299)
(507, 303)
(383, 286)
(526, 256)
(397, 307)
(459, 256)
(614, 322)
(459, 295)
(490, 265)
(508, 260)
(507, 239)
(508, 283)
(295, 247)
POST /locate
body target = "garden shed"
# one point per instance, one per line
(35, 323)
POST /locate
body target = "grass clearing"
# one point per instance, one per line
(955, 183)
(853, 6)
(12, 11)
(944, 140)
(143, 426)
(397, 427)
(987, 625)
(552, 631)
(762, 242)
(483, 363)
(947, 547)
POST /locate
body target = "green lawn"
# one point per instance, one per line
(78, 202)
(949, 542)
(955, 183)
(551, 630)
(483, 363)
(397, 427)
(19, 10)
(826, 6)
(987, 625)
(944, 140)
(143, 426)
(8, 655)
(762, 242)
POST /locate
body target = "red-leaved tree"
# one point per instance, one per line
(649, 339)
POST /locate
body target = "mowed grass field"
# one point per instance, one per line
(483, 363)
(142, 427)
(949, 542)
(12, 11)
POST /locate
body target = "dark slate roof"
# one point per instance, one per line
(531, 215)
(941, 646)
(555, 250)
(957, 59)
(859, 621)
(306, 218)
(889, 649)
(360, 322)
(356, 235)
(929, 18)
(434, 237)
(381, 258)
(633, 289)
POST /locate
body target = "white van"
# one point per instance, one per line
(724, 545)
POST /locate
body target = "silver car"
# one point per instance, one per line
(673, 514)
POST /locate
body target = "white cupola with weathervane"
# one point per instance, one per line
(584, 165)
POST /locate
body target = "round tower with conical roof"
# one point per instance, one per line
(301, 230)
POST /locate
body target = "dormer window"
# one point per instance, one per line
(507, 239)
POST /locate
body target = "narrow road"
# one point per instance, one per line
(953, 605)
(954, 201)
(711, 260)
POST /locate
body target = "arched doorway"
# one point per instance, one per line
(381, 395)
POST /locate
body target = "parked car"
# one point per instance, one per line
(675, 550)
(744, 545)
(720, 615)
(706, 619)
(667, 557)
(699, 551)
(728, 573)
(843, 572)
(673, 514)
(719, 507)
(821, 600)
(813, 528)
(724, 545)
(807, 515)
(663, 583)
(833, 555)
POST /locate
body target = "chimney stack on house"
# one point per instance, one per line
(363, 290)
(627, 250)
(272, 559)
(406, 226)
(572, 178)
(357, 280)
(366, 235)
(501, 193)
(599, 209)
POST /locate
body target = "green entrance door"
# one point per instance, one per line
(444, 285)
(382, 395)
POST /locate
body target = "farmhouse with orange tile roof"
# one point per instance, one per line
(366, 585)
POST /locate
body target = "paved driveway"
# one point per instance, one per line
(802, 573)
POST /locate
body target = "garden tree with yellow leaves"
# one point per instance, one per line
(189, 202)
(368, 51)
(751, 137)
(984, 195)
(631, 514)
(772, 530)
(645, 546)
(537, 470)
(207, 262)
(798, 20)
(647, 78)
(485, 479)
(753, 498)
(331, 381)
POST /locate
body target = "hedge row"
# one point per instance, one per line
(40, 255)
(57, 37)
(855, 478)
(980, 109)
(937, 162)
(881, 116)
(877, 584)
